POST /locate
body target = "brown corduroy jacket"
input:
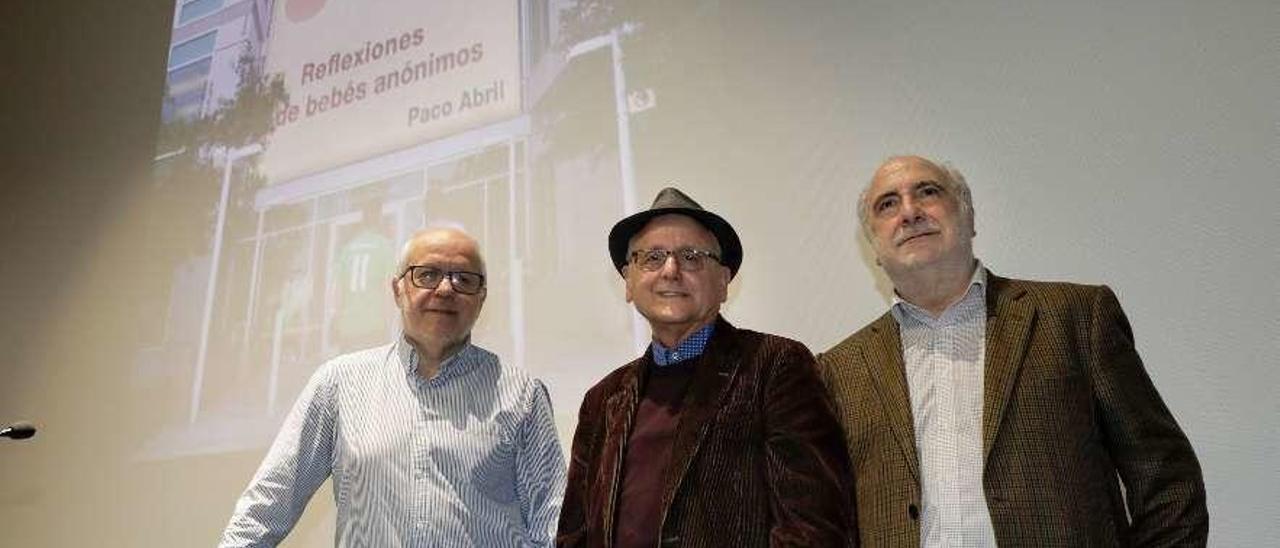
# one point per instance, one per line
(1067, 408)
(757, 458)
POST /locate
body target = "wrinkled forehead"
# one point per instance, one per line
(907, 171)
(449, 249)
(673, 231)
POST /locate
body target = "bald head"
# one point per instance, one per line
(949, 177)
(437, 236)
(435, 314)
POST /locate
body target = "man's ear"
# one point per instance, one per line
(626, 280)
(395, 290)
(728, 278)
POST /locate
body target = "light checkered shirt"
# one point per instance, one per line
(944, 361)
(468, 458)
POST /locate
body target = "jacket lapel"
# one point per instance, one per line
(619, 414)
(712, 376)
(1009, 320)
(883, 358)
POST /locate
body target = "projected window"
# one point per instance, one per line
(192, 50)
(188, 79)
(192, 9)
(187, 90)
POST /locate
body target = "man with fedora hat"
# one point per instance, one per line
(716, 436)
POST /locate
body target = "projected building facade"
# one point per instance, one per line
(383, 130)
(209, 38)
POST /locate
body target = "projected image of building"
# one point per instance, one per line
(477, 114)
(209, 38)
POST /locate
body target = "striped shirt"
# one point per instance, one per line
(468, 458)
(944, 362)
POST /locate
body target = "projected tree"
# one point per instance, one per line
(674, 68)
(188, 165)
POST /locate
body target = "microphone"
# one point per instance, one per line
(20, 430)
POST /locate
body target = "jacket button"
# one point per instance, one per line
(913, 511)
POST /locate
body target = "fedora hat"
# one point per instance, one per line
(671, 201)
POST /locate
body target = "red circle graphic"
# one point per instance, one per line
(301, 10)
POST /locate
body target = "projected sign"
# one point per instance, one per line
(366, 78)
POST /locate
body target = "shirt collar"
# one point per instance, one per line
(458, 364)
(691, 347)
(901, 309)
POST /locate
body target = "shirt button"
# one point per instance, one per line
(913, 511)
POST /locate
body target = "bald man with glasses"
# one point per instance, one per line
(430, 440)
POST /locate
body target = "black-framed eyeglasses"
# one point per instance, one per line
(687, 258)
(429, 277)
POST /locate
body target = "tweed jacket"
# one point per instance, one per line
(1067, 407)
(756, 459)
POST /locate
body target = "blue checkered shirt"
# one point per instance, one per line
(691, 347)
